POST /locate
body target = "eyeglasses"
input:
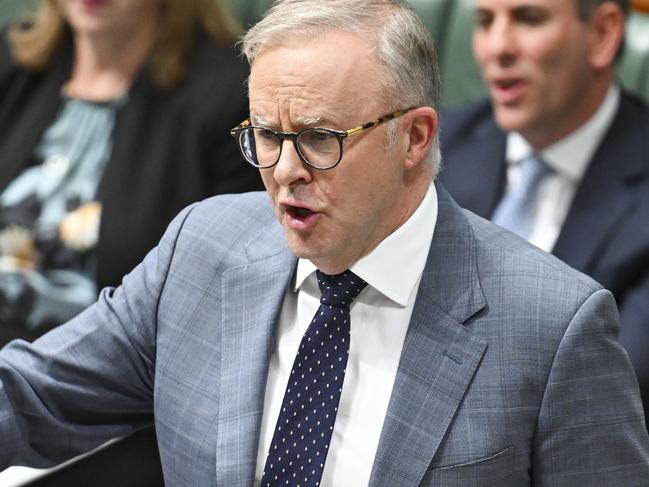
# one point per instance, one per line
(320, 148)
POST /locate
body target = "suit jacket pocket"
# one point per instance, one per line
(488, 471)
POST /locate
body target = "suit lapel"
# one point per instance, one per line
(604, 196)
(252, 297)
(439, 358)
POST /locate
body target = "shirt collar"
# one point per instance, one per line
(571, 155)
(395, 266)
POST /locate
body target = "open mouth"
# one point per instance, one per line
(300, 218)
(298, 212)
(506, 84)
(508, 90)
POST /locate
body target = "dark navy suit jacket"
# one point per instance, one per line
(606, 232)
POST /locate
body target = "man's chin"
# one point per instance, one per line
(300, 246)
(512, 119)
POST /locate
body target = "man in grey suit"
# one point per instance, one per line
(475, 358)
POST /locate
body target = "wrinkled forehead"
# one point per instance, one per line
(327, 52)
(333, 72)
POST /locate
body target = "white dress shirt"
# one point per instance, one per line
(569, 159)
(379, 320)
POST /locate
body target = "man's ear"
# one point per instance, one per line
(423, 124)
(606, 34)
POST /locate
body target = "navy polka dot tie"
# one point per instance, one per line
(306, 420)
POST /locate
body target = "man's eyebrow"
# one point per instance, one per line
(310, 121)
(259, 120)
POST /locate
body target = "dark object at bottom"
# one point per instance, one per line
(133, 461)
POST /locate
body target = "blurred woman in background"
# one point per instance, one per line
(114, 115)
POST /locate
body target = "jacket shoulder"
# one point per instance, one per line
(233, 220)
(212, 92)
(505, 253)
(631, 103)
(457, 124)
(224, 232)
(213, 72)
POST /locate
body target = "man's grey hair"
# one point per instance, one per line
(404, 49)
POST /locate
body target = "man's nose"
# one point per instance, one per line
(290, 170)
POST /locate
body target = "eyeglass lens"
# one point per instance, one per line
(262, 147)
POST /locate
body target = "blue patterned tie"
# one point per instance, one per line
(306, 420)
(515, 210)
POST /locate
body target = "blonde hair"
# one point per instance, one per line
(34, 43)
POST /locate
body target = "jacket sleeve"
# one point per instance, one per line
(91, 379)
(591, 429)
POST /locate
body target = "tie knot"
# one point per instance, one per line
(533, 169)
(339, 289)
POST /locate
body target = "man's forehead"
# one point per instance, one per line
(313, 82)
(337, 50)
(300, 99)
(293, 113)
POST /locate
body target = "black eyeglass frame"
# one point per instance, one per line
(238, 131)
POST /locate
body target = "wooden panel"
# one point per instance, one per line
(640, 5)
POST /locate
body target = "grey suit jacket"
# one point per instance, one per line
(510, 373)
